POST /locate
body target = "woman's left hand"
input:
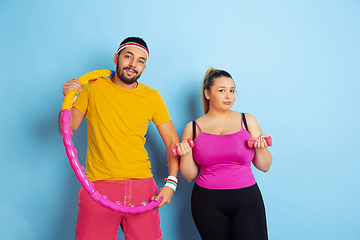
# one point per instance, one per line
(260, 142)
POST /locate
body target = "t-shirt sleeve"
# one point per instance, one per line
(82, 101)
(161, 113)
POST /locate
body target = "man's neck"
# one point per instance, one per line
(120, 83)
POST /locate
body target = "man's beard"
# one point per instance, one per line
(125, 79)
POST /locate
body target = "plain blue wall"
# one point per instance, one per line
(297, 69)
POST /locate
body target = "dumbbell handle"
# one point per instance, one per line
(251, 142)
(174, 149)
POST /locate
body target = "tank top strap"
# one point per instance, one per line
(243, 121)
(198, 126)
(242, 115)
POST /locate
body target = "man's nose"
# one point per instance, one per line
(132, 64)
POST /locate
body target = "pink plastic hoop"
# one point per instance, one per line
(88, 186)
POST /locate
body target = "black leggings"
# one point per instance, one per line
(237, 214)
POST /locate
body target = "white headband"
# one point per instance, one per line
(133, 44)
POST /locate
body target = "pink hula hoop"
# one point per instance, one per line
(88, 186)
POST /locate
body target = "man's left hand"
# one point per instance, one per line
(166, 194)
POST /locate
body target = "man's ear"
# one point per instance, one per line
(116, 58)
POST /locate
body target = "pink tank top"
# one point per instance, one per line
(225, 160)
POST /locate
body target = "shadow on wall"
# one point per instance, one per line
(154, 145)
(187, 229)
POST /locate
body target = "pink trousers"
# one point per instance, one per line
(95, 222)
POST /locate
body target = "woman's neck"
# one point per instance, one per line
(218, 114)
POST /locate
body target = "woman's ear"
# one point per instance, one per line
(207, 94)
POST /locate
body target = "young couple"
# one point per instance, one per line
(226, 201)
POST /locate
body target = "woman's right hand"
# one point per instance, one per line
(183, 148)
(73, 84)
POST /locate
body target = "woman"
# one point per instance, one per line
(226, 202)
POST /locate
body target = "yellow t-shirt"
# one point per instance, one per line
(117, 121)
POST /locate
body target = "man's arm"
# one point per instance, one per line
(76, 119)
(169, 136)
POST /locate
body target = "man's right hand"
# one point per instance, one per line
(73, 84)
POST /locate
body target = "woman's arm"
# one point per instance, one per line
(263, 157)
(188, 167)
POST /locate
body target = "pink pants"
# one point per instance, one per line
(97, 222)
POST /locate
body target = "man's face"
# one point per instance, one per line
(131, 63)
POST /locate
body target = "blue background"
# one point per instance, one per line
(296, 65)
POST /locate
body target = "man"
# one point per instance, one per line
(118, 111)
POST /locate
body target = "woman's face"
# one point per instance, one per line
(222, 94)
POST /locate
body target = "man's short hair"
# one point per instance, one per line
(134, 41)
